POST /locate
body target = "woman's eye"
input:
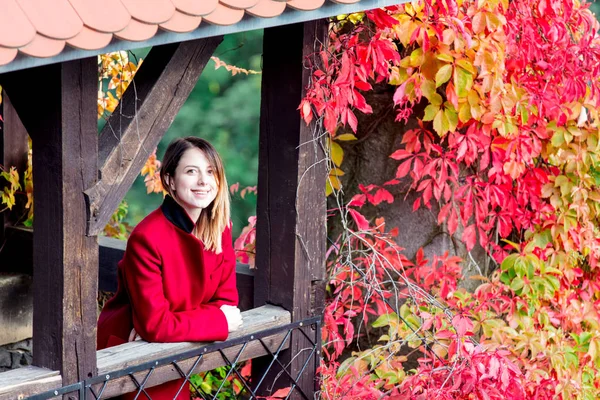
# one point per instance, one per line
(210, 171)
(191, 171)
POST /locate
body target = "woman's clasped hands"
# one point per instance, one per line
(233, 316)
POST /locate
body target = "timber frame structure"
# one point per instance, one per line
(80, 177)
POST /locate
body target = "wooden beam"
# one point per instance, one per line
(27, 381)
(139, 352)
(58, 106)
(13, 153)
(290, 240)
(147, 109)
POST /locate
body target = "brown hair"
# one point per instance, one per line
(215, 218)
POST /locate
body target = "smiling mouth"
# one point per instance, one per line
(201, 192)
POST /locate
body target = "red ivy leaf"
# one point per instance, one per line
(382, 195)
(360, 220)
(470, 237)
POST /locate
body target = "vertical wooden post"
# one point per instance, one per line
(13, 153)
(57, 104)
(291, 208)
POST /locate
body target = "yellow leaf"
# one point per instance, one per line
(337, 154)
(440, 123)
(443, 75)
(417, 58)
(464, 114)
(334, 182)
(336, 172)
(466, 65)
(445, 56)
(428, 89)
(345, 137)
(430, 112)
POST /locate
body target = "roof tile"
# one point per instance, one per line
(137, 31)
(7, 55)
(89, 39)
(42, 46)
(40, 28)
(150, 11)
(267, 9)
(224, 15)
(195, 7)
(239, 4)
(181, 23)
(15, 28)
(55, 19)
(306, 5)
(104, 16)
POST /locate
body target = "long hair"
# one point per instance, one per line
(215, 218)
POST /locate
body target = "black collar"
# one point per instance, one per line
(176, 214)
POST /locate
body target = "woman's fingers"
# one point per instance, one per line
(233, 316)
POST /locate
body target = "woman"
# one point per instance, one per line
(176, 281)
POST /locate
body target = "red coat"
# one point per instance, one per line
(170, 287)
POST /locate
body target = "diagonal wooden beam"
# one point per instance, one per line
(147, 109)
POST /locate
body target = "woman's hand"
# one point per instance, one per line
(233, 316)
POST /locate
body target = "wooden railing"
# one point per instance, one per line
(263, 332)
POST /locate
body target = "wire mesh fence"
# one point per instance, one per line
(185, 375)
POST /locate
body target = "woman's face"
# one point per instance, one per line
(195, 182)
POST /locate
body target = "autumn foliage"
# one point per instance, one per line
(506, 154)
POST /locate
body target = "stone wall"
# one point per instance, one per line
(16, 307)
(15, 355)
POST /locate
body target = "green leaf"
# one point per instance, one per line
(440, 123)
(428, 89)
(430, 112)
(451, 116)
(443, 75)
(558, 138)
(517, 284)
(463, 81)
(384, 320)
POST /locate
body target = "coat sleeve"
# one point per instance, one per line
(152, 317)
(227, 290)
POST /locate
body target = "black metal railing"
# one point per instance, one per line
(95, 388)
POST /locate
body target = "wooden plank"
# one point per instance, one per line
(290, 241)
(148, 107)
(58, 106)
(27, 381)
(136, 353)
(13, 153)
(139, 352)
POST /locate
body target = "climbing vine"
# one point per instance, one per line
(505, 154)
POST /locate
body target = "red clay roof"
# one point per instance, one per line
(43, 28)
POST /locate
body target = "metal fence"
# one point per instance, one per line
(248, 387)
